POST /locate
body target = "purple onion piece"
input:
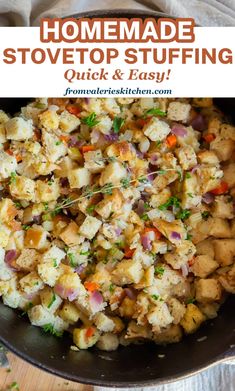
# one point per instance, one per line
(64, 182)
(208, 198)
(175, 235)
(185, 270)
(37, 219)
(10, 256)
(130, 293)
(195, 168)
(87, 100)
(146, 242)
(118, 231)
(179, 130)
(139, 154)
(112, 137)
(74, 142)
(96, 301)
(154, 159)
(199, 123)
(140, 208)
(73, 294)
(79, 269)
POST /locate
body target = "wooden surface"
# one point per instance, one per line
(29, 378)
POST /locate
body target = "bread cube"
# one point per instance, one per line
(210, 310)
(90, 227)
(206, 247)
(85, 337)
(49, 120)
(68, 122)
(127, 308)
(5, 272)
(4, 235)
(223, 148)
(60, 325)
(31, 283)
(53, 255)
(69, 313)
(172, 334)
(224, 251)
(204, 265)
(36, 237)
(156, 129)
(223, 208)
(111, 106)
(22, 188)
(208, 157)
(3, 119)
(159, 316)
(104, 323)
(158, 199)
(136, 332)
(108, 342)
(40, 316)
(48, 273)
(47, 191)
(50, 300)
(127, 271)
(203, 102)
(207, 290)
(8, 164)
(104, 125)
(8, 210)
(18, 128)
(178, 111)
(79, 177)
(70, 235)
(229, 174)
(94, 161)
(192, 320)
(227, 131)
(112, 173)
(12, 298)
(69, 283)
(54, 148)
(186, 156)
(177, 309)
(28, 259)
(220, 228)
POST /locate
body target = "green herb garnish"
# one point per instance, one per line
(145, 217)
(49, 328)
(159, 270)
(90, 209)
(54, 262)
(107, 188)
(58, 143)
(183, 214)
(14, 386)
(155, 111)
(118, 122)
(13, 177)
(90, 120)
(172, 201)
(72, 261)
(188, 237)
(125, 183)
(188, 175)
(17, 204)
(26, 227)
(156, 297)
(205, 215)
(158, 143)
(53, 299)
(191, 301)
(84, 253)
(111, 288)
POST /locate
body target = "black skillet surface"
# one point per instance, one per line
(133, 366)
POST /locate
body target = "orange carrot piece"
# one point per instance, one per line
(73, 109)
(129, 252)
(91, 286)
(171, 141)
(221, 189)
(90, 331)
(153, 229)
(87, 148)
(209, 137)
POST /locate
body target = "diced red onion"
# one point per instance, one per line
(139, 154)
(154, 159)
(208, 198)
(146, 242)
(130, 293)
(140, 208)
(10, 257)
(96, 301)
(37, 219)
(64, 182)
(179, 130)
(73, 294)
(74, 142)
(87, 100)
(195, 168)
(66, 293)
(184, 270)
(118, 231)
(175, 235)
(198, 123)
(79, 269)
(112, 137)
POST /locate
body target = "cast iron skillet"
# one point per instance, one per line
(132, 366)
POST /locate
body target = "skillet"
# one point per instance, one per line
(132, 366)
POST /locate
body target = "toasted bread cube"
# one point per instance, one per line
(206, 247)
(5, 272)
(79, 177)
(224, 251)
(208, 157)
(7, 210)
(223, 148)
(108, 342)
(160, 198)
(48, 273)
(70, 235)
(207, 290)
(90, 227)
(159, 316)
(223, 208)
(12, 298)
(85, 337)
(94, 161)
(104, 125)
(68, 122)
(36, 237)
(209, 309)
(28, 259)
(135, 331)
(47, 191)
(8, 164)
(22, 188)
(40, 316)
(187, 157)
(53, 255)
(103, 322)
(203, 102)
(172, 334)
(4, 235)
(31, 283)
(50, 300)
(178, 111)
(204, 265)
(127, 308)
(229, 174)
(18, 128)
(54, 148)
(220, 228)
(49, 120)
(192, 320)
(69, 313)
(113, 173)
(156, 129)
(69, 283)
(227, 131)
(127, 271)
(177, 309)
(3, 119)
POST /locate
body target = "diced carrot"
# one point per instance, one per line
(221, 189)
(153, 229)
(191, 261)
(90, 331)
(87, 148)
(91, 286)
(141, 122)
(209, 137)
(129, 252)
(18, 158)
(73, 109)
(9, 151)
(171, 141)
(63, 138)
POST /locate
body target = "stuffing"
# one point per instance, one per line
(85, 337)
(203, 265)
(31, 283)
(70, 235)
(229, 174)
(47, 191)
(177, 309)
(108, 342)
(36, 237)
(223, 207)
(127, 271)
(127, 308)
(223, 148)
(94, 161)
(28, 259)
(224, 251)
(90, 227)
(3, 119)
(178, 111)
(159, 316)
(48, 273)
(50, 300)
(104, 323)
(207, 290)
(172, 334)
(8, 165)
(49, 120)
(54, 148)
(69, 313)
(68, 122)
(79, 177)
(113, 173)
(186, 156)
(227, 279)
(22, 188)
(137, 332)
(104, 125)
(40, 316)
(156, 129)
(206, 247)
(220, 228)
(192, 319)
(53, 255)
(18, 128)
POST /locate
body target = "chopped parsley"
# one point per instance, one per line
(188, 237)
(188, 175)
(90, 120)
(161, 172)
(71, 258)
(172, 201)
(125, 183)
(143, 179)
(58, 142)
(118, 122)
(90, 209)
(158, 143)
(156, 297)
(45, 205)
(54, 262)
(17, 204)
(107, 189)
(180, 175)
(183, 214)
(14, 386)
(190, 195)
(191, 301)
(53, 299)
(159, 270)
(50, 182)
(84, 253)
(205, 215)
(155, 111)
(13, 177)
(25, 227)
(49, 328)
(111, 288)
(145, 217)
